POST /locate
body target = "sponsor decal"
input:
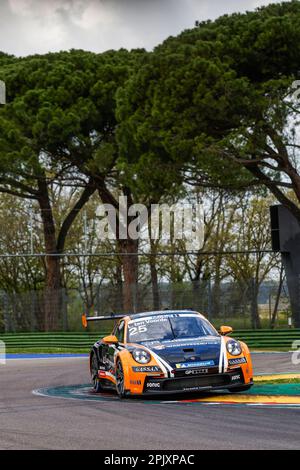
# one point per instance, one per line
(153, 385)
(143, 322)
(174, 344)
(196, 371)
(236, 377)
(146, 369)
(185, 365)
(158, 318)
(238, 360)
(179, 343)
(135, 382)
(101, 374)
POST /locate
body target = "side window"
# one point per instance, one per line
(120, 331)
(115, 330)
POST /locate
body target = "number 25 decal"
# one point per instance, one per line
(134, 330)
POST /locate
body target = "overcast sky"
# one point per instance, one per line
(39, 26)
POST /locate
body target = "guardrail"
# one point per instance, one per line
(268, 338)
(83, 340)
(40, 341)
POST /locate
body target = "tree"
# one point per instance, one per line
(251, 232)
(6, 58)
(72, 98)
(218, 98)
(26, 168)
(218, 102)
(78, 129)
(19, 276)
(263, 48)
(90, 274)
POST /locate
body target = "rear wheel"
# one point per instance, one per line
(243, 388)
(94, 373)
(120, 382)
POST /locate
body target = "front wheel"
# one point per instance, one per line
(94, 373)
(120, 382)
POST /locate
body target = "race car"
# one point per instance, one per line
(166, 352)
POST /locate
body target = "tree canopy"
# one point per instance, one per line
(219, 99)
(217, 106)
(59, 127)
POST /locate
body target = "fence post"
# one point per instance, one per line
(65, 309)
(209, 300)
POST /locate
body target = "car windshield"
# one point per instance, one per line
(168, 327)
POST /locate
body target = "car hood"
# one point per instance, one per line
(188, 352)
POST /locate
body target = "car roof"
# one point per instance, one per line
(162, 312)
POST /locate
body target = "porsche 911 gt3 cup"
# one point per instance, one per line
(168, 352)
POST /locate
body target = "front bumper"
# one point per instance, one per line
(204, 382)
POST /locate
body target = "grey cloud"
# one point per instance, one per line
(39, 26)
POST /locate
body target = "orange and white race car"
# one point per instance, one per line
(166, 352)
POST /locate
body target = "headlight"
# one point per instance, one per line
(234, 348)
(141, 356)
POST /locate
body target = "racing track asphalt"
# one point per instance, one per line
(35, 422)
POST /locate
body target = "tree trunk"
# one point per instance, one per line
(197, 301)
(278, 294)
(119, 307)
(154, 276)
(129, 261)
(216, 292)
(52, 299)
(130, 273)
(255, 319)
(54, 245)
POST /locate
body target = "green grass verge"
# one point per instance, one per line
(278, 381)
(252, 350)
(47, 350)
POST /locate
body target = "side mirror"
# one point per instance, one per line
(111, 339)
(225, 330)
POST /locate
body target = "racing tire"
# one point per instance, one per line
(243, 388)
(97, 386)
(120, 382)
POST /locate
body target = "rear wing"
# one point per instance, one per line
(85, 319)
